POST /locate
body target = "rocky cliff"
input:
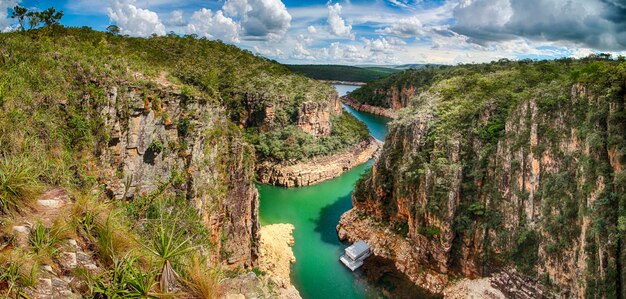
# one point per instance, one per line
(318, 169)
(386, 112)
(312, 115)
(158, 136)
(517, 166)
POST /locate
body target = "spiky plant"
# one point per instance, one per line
(168, 244)
(43, 241)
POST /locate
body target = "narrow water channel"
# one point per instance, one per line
(315, 212)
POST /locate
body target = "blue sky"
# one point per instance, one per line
(367, 32)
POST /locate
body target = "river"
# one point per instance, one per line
(315, 212)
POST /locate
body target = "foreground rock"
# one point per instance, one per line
(277, 257)
(318, 169)
(390, 244)
(386, 112)
(275, 262)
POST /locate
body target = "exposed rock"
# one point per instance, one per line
(277, 256)
(386, 112)
(314, 117)
(318, 169)
(386, 243)
(450, 205)
(473, 289)
(251, 286)
(160, 135)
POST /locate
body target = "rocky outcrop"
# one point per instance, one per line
(397, 98)
(162, 140)
(443, 201)
(276, 257)
(312, 115)
(386, 112)
(318, 169)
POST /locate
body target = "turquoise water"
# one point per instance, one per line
(315, 212)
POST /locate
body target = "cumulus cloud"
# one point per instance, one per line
(176, 18)
(214, 25)
(405, 27)
(133, 20)
(599, 24)
(337, 24)
(312, 29)
(5, 22)
(266, 19)
(383, 44)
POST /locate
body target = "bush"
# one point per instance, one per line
(19, 182)
(293, 144)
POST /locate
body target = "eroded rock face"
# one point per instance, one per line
(314, 117)
(447, 207)
(276, 257)
(386, 112)
(318, 169)
(396, 98)
(161, 138)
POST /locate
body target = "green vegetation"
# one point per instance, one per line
(56, 83)
(342, 72)
(567, 113)
(19, 182)
(294, 145)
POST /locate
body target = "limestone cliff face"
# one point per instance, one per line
(386, 112)
(161, 139)
(397, 98)
(541, 195)
(318, 169)
(311, 115)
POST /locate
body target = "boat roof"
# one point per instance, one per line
(358, 248)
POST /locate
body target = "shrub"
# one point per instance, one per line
(156, 146)
(19, 182)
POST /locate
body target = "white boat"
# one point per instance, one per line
(355, 254)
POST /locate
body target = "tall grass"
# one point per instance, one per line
(202, 281)
(19, 182)
(18, 271)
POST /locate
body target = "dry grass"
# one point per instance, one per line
(18, 270)
(202, 280)
(19, 183)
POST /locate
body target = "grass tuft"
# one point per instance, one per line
(19, 182)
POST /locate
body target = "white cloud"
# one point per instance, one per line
(133, 20)
(5, 22)
(312, 29)
(266, 19)
(405, 27)
(598, 24)
(336, 24)
(216, 26)
(301, 53)
(176, 18)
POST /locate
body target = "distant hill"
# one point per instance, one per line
(343, 72)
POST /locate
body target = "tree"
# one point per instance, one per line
(33, 19)
(19, 13)
(113, 29)
(50, 16)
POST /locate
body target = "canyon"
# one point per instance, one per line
(521, 183)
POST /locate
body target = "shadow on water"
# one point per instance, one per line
(326, 222)
(391, 283)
